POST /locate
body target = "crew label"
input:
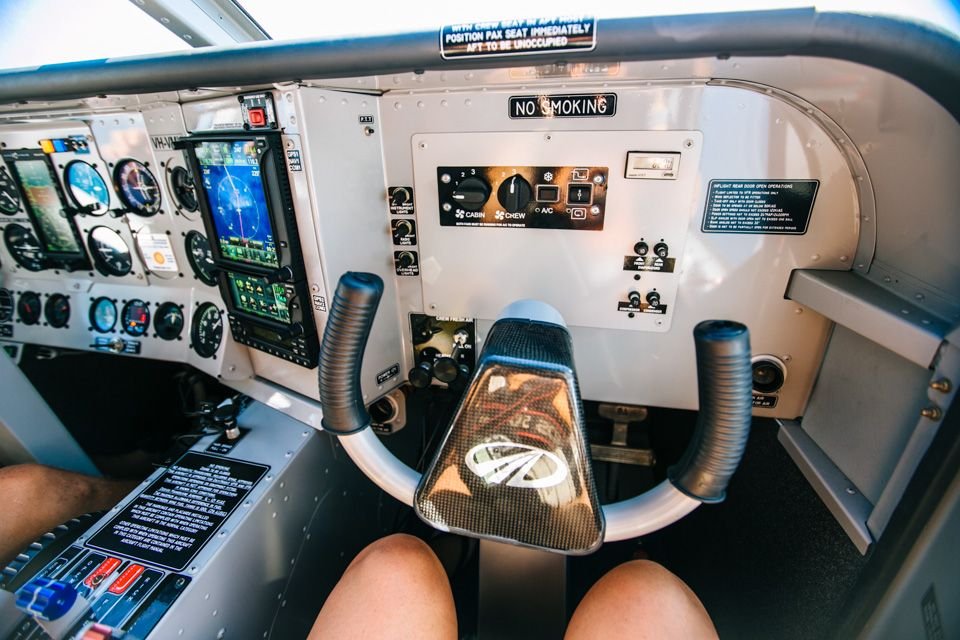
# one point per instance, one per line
(759, 206)
(510, 37)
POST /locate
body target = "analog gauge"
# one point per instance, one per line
(207, 330)
(137, 187)
(183, 188)
(111, 255)
(23, 246)
(201, 258)
(29, 307)
(135, 317)
(57, 310)
(6, 305)
(9, 196)
(103, 315)
(169, 321)
(85, 188)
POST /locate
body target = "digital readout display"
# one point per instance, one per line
(233, 186)
(256, 296)
(54, 227)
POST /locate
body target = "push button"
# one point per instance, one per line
(580, 194)
(548, 193)
(257, 116)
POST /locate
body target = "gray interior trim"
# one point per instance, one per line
(871, 311)
(919, 54)
(848, 506)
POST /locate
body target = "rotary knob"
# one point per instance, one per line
(46, 599)
(514, 193)
(471, 194)
(400, 197)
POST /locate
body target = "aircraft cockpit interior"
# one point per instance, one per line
(550, 294)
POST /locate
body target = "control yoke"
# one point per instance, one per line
(724, 381)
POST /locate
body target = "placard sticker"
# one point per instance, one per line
(759, 206)
(157, 252)
(511, 37)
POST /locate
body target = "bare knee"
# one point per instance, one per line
(30, 482)
(399, 554)
(641, 599)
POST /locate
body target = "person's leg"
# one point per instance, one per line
(395, 588)
(34, 499)
(640, 599)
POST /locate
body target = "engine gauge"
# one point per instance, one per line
(103, 315)
(137, 188)
(207, 330)
(85, 188)
(29, 307)
(6, 305)
(169, 321)
(111, 255)
(201, 258)
(23, 246)
(9, 196)
(183, 188)
(57, 310)
(135, 318)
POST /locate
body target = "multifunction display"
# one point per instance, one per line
(523, 197)
(255, 295)
(233, 185)
(46, 206)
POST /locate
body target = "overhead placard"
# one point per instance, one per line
(511, 37)
(759, 206)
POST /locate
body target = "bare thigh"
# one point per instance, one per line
(640, 599)
(394, 588)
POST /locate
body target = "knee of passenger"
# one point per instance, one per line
(24, 479)
(644, 577)
(397, 553)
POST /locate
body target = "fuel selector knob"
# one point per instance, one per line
(514, 193)
(471, 194)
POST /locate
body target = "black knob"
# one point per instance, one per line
(471, 194)
(283, 274)
(295, 330)
(514, 193)
(653, 299)
(641, 248)
(406, 259)
(445, 369)
(421, 375)
(400, 197)
(768, 376)
(634, 299)
(661, 249)
(402, 229)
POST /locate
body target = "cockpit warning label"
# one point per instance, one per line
(172, 519)
(772, 207)
(512, 37)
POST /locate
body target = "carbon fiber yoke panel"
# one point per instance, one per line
(514, 465)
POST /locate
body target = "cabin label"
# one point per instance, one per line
(512, 37)
(588, 105)
(772, 207)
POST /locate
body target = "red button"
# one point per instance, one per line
(125, 579)
(257, 117)
(106, 567)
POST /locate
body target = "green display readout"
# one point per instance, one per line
(256, 296)
(40, 191)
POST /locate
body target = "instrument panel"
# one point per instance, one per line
(184, 231)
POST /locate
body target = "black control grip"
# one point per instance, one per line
(725, 381)
(341, 354)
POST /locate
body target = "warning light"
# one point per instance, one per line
(257, 117)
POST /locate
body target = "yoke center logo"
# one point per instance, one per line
(516, 465)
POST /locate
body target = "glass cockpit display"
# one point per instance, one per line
(232, 183)
(47, 210)
(256, 296)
